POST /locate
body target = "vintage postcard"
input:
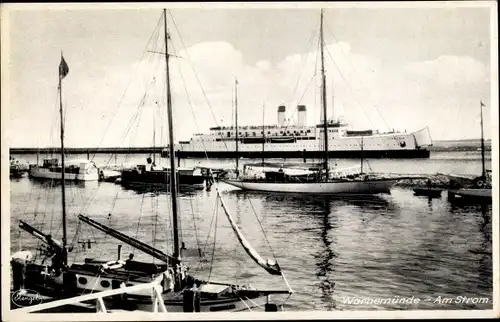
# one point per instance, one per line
(249, 160)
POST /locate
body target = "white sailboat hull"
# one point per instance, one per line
(339, 187)
(45, 173)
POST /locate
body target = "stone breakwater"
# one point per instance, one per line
(438, 180)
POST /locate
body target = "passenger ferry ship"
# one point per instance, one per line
(302, 141)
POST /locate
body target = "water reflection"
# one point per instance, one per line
(286, 200)
(485, 261)
(185, 190)
(325, 257)
(49, 183)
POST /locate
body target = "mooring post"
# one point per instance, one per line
(188, 300)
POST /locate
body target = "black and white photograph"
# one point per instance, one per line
(249, 160)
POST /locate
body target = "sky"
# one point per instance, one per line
(387, 68)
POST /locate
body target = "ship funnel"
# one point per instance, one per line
(281, 115)
(301, 112)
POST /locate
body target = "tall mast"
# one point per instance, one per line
(323, 99)
(263, 133)
(362, 147)
(154, 137)
(63, 70)
(483, 173)
(173, 172)
(236, 118)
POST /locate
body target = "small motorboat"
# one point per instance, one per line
(428, 192)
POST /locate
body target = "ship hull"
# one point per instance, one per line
(305, 143)
(340, 187)
(353, 154)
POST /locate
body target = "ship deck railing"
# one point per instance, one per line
(155, 286)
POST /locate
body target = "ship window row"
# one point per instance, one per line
(229, 134)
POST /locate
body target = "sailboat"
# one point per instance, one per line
(181, 292)
(17, 169)
(283, 179)
(75, 170)
(480, 191)
(150, 174)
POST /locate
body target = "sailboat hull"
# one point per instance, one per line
(338, 187)
(161, 177)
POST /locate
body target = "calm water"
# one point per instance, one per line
(332, 250)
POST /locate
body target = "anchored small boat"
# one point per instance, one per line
(17, 169)
(150, 175)
(480, 190)
(75, 170)
(428, 192)
(475, 195)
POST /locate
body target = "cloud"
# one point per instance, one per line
(446, 71)
(369, 93)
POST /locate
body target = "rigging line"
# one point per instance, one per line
(197, 78)
(128, 85)
(242, 301)
(215, 240)
(287, 284)
(251, 301)
(357, 76)
(142, 103)
(135, 129)
(195, 228)
(192, 112)
(54, 120)
(72, 244)
(38, 242)
(139, 220)
(136, 115)
(304, 57)
(52, 205)
(300, 100)
(109, 219)
(154, 206)
(348, 86)
(307, 87)
(191, 106)
(262, 228)
(208, 235)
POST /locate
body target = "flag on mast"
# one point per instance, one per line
(63, 68)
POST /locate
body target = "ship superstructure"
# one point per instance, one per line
(301, 140)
